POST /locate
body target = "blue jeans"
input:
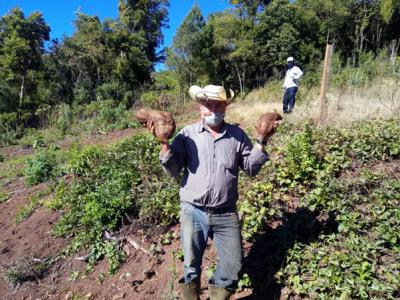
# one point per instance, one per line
(224, 229)
(289, 99)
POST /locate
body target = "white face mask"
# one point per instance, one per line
(214, 119)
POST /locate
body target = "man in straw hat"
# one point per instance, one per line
(210, 152)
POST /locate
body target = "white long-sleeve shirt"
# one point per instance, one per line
(292, 77)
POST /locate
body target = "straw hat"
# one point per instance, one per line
(211, 92)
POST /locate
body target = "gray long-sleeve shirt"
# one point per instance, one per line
(211, 165)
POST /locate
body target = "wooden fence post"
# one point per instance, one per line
(324, 85)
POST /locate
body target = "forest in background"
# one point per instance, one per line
(111, 64)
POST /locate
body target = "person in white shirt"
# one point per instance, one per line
(290, 85)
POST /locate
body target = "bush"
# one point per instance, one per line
(32, 139)
(40, 168)
(301, 163)
(109, 183)
(64, 118)
(103, 116)
(10, 128)
(256, 208)
(150, 98)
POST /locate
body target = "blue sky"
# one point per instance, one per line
(60, 14)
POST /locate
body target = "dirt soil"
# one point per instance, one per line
(142, 276)
(98, 138)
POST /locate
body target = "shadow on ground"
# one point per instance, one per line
(268, 253)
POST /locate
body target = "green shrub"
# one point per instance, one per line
(109, 90)
(32, 138)
(255, 208)
(301, 163)
(150, 98)
(103, 116)
(40, 168)
(10, 128)
(109, 183)
(64, 118)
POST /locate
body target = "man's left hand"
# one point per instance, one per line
(266, 125)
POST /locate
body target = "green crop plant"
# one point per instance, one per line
(108, 184)
(255, 208)
(40, 167)
(301, 163)
(361, 260)
(127, 179)
(25, 211)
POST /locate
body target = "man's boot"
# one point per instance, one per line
(191, 290)
(219, 293)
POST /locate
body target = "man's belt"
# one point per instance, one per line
(217, 210)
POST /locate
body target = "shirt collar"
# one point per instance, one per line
(226, 129)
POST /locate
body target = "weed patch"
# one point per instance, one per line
(27, 269)
(3, 197)
(26, 211)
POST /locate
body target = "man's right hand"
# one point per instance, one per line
(161, 135)
(161, 124)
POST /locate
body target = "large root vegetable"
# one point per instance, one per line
(266, 125)
(160, 123)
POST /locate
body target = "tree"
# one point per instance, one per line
(184, 56)
(21, 51)
(145, 19)
(113, 59)
(388, 7)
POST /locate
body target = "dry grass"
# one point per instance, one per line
(379, 100)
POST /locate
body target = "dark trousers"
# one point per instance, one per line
(289, 98)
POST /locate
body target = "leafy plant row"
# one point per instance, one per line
(308, 159)
(108, 185)
(354, 254)
(127, 179)
(360, 260)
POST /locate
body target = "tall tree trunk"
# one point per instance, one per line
(21, 92)
(356, 46)
(243, 79)
(378, 37)
(394, 50)
(239, 77)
